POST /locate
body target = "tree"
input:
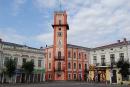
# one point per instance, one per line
(2, 75)
(86, 74)
(10, 66)
(123, 68)
(28, 67)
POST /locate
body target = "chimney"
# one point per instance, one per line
(46, 45)
(125, 40)
(118, 41)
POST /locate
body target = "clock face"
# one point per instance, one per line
(59, 34)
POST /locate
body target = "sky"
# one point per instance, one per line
(92, 22)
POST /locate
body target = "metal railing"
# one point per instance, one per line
(59, 58)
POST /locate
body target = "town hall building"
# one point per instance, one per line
(65, 61)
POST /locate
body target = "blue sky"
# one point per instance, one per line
(92, 22)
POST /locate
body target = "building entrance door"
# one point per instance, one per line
(114, 77)
(98, 77)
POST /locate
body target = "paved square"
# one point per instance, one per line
(62, 84)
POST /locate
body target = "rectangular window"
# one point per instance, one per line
(80, 77)
(94, 59)
(39, 63)
(112, 58)
(121, 56)
(49, 55)
(103, 60)
(32, 60)
(74, 55)
(16, 60)
(59, 54)
(49, 65)
(85, 66)
(69, 76)
(6, 58)
(85, 56)
(69, 54)
(59, 65)
(49, 76)
(24, 60)
(74, 76)
(59, 34)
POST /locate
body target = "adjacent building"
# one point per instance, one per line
(65, 61)
(21, 54)
(103, 61)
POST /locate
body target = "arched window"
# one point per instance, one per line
(74, 55)
(79, 66)
(79, 55)
(85, 56)
(85, 66)
(59, 54)
(59, 21)
(69, 54)
(74, 65)
(50, 55)
(59, 43)
(49, 65)
(69, 65)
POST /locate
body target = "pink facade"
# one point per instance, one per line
(65, 61)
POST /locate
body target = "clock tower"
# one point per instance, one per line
(60, 27)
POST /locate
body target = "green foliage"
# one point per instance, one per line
(124, 67)
(10, 65)
(28, 67)
(86, 74)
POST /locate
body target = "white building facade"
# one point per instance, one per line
(104, 60)
(21, 54)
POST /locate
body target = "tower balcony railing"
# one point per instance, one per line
(61, 25)
(59, 58)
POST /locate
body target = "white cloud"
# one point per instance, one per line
(46, 38)
(45, 3)
(93, 22)
(17, 6)
(10, 35)
(99, 23)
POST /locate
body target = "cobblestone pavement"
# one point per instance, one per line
(62, 84)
